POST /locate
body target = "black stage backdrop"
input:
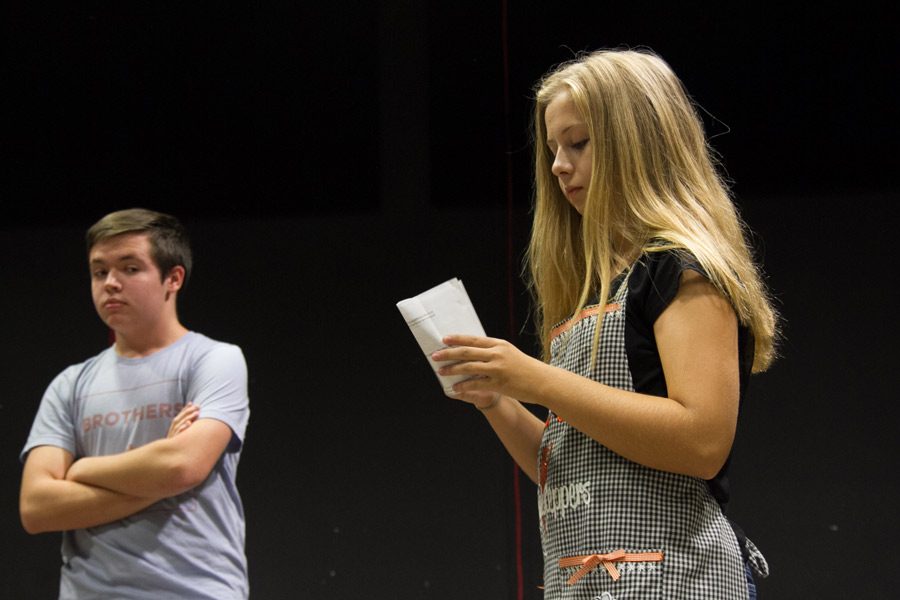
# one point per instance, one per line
(332, 159)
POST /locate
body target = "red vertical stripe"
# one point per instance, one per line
(510, 279)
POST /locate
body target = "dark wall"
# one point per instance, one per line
(330, 161)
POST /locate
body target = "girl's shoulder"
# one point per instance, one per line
(654, 278)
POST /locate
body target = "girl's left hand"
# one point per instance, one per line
(495, 366)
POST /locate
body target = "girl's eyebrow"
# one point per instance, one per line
(565, 129)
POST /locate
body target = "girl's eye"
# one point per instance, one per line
(580, 145)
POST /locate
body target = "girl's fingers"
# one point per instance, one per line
(464, 367)
(474, 384)
(469, 340)
(458, 353)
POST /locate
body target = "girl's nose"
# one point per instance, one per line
(561, 164)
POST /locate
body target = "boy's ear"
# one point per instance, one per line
(175, 279)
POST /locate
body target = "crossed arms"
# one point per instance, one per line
(59, 493)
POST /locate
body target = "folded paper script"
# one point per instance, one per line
(438, 312)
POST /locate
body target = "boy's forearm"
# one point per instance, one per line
(148, 471)
(160, 469)
(60, 505)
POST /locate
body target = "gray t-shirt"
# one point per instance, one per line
(187, 546)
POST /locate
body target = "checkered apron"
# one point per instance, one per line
(594, 503)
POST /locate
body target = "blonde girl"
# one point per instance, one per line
(652, 315)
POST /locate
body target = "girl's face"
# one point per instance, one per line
(570, 144)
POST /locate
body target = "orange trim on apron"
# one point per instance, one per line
(587, 312)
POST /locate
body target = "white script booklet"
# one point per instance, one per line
(443, 310)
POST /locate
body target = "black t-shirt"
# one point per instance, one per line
(652, 285)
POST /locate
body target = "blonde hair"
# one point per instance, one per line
(654, 187)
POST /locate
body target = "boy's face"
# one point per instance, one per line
(128, 291)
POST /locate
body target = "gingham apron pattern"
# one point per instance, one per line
(594, 502)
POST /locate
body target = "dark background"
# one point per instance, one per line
(335, 158)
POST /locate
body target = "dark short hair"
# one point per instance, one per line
(169, 244)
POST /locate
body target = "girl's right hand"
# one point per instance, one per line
(480, 399)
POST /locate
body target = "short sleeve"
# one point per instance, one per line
(652, 285)
(654, 281)
(218, 385)
(54, 424)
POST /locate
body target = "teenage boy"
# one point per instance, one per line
(133, 453)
